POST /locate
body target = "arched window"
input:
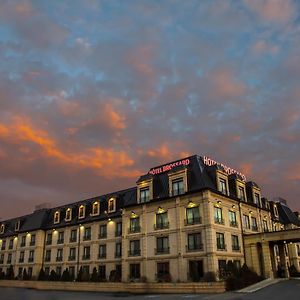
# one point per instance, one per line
(111, 205)
(56, 217)
(96, 208)
(81, 212)
(68, 214)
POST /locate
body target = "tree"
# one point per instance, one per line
(53, 276)
(66, 275)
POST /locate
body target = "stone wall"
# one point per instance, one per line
(134, 288)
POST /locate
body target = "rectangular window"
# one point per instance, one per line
(21, 258)
(87, 234)
(68, 214)
(95, 210)
(222, 268)
(232, 218)
(192, 215)
(254, 224)
(265, 226)
(60, 239)
(23, 241)
(3, 245)
(73, 236)
(134, 225)
(47, 271)
(29, 272)
(220, 241)
(81, 212)
(134, 249)
(118, 229)
(242, 193)
(58, 270)
(162, 221)
(56, 217)
(246, 222)
(31, 256)
(72, 254)
(86, 269)
(49, 239)
(218, 215)
(177, 187)
(256, 199)
(48, 255)
(194, 242)
(102, 272)
(72, 272)
(59, 255)
(1, 258)
(86, 253)
(11, 244)
(9, 258)
(17, 226)
(111, 205)
(102, 251)
(223, 186)
(102, 231)
(237, 264)
(134, 271)
(162, 245)
(32, 240)
(235, 243)
(144, 195)
(118, 250)
(163, 270)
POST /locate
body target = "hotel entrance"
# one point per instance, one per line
(195, 270)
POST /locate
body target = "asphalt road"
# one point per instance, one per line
(285, 290)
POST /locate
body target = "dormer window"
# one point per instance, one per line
(177, 187)
(144, 190)
(241, 194)
(68, 214)
(17, 226)
(276, 210)
(81, 212)
(223, 186)
(111, 205)
(144, 194)
(2, 227)
(256, 199)
(56, 217)
(96, 209)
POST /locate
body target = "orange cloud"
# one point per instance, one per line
(114, 119)
(105, 162)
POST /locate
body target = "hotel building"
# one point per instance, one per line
(181, 221)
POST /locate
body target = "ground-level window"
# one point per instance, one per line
(163, 271)
(222, 267)
(102, 272)
(135, 271)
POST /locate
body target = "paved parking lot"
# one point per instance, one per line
(287, 290)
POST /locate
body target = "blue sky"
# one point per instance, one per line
(94, 93)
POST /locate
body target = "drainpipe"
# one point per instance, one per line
(78, 250)
(242, 230)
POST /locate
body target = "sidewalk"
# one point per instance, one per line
(260, 285)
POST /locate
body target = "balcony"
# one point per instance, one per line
(192, 221)
(59, 258)
(102, 235)
(194, 248)
(21, 259)
(233, 223)
(165, 250)
(86, 257)
(60, 241)
(10, 247)
(47, 258)
(134, 252)
(32, 244)
(236, 248)
(102, 255)
(219, 221)
(73, 240)
(163, 225)
(8, 261)
(221, 247)
(87, 237)
(22, 245)
(144, 199)
(72, 257)
(49, 242)
(134, 229)
(30, 259)
(254, 228)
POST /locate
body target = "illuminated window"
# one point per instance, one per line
(223, 186)
(17, 226)
(56, 217)
(254, 224)
(275, 210)
(220, 241)
(68, 214)
(232, 218)
(219, 215)
(2, 227)
(81, 212)
(246, 222)
(111, 205)
(95, 210)
(192, 215)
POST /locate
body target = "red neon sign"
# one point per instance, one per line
(210, 162)
(169, 167)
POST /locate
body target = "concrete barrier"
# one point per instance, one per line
(121, 287)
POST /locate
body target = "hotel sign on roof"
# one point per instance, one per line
(169, 167)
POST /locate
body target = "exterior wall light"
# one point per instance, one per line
(160, 210)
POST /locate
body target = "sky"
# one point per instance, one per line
(95, 93)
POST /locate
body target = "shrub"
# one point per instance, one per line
(210, 277)
(79, 275)
(53, 276)
(94, 277)
(66, 275)
(25, 275)
(10, 273)
(42, 275)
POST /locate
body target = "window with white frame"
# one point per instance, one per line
(81, 212)
(17, 226)
(68, 214)
(96, 209)
(2, 227)
(56, 217)
(111, 205)
(223, 186)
